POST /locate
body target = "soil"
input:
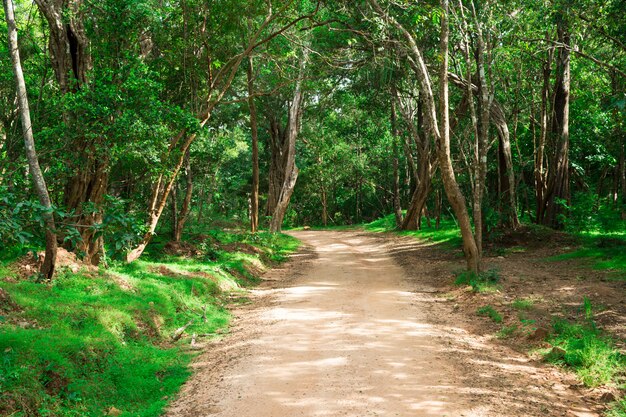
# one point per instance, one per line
(181, 248)
(360, 324)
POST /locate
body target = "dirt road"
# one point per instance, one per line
(344, 332)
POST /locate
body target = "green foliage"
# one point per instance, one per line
(586, 349)
(605, 252)
(506, 331)
(589, 214)
(523, 303)
(485, 281)
(617, 409)
(490, 312)
(122, 229)
(94, 340)
(447, 234)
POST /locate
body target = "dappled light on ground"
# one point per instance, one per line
(351, 336)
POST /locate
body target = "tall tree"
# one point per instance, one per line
(289, 171)
(439, 128)
(39, 182)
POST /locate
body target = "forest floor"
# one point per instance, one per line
(364, 324)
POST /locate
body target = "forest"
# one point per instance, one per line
(151, 154)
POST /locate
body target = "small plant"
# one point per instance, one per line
(523, 304)
(506, 331)
(490, 312)
(485, 281)
(617, 409)
(588, 309)
(583, 347)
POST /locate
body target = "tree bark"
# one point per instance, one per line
(540, 170)
(439, 130)
(558, 190)
(498, 120)
(86, 187)
(424, 173)
(291, 170)
(397, 209)
(39, 182)
(622, 176)
(183, 215)
(324, 205)
(254, 132)
(174, 207)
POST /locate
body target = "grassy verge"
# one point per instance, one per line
(604, 251)
(99, 341)
(448, 233)
(589, 352)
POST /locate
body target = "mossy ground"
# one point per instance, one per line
(97, 339)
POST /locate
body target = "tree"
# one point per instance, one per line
(39, 182)
(439, 129)
(288, 171)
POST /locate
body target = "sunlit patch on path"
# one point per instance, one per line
(349, 335)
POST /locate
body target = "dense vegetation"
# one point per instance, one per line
(97, 341)
(312, 113)
(125, 123)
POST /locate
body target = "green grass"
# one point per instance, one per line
(587, 350)
(93, 340)
(603, 251)
(448, 232)
(523, 303)
(617, 409)
(506, 331)
(483, 282)
(490, 312)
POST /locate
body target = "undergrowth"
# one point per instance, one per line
(604, 251)
(587, 350)
(93, 340)
(484, 282)
(448, 232)
(490, 312)
(617, 409)
(523, 304)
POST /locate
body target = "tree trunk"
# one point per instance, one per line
(423, 175)
(498, 119)
(254, 132)
(481, 130)
(540, 171)
(183, 215)
(174, 207)
(440, 131)
(397, 209)
(324, 206)
(622, 177)
(451, 186)
(558, 191)
(87, 185)
(291, 170)
(508, 179)
(49, 262)
(278, 145)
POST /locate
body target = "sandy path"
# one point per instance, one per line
(344, 335)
